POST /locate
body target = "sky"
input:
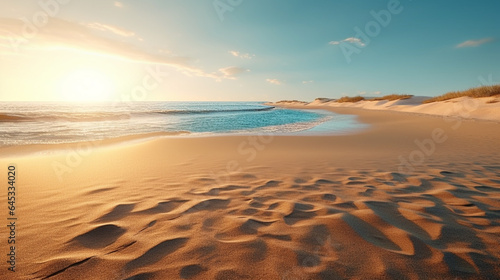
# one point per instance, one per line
(244, 50)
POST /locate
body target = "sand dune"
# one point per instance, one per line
(486, 108)
(306, 208)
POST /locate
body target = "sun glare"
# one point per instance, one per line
(86, 85)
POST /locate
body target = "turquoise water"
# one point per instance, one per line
(41, 123)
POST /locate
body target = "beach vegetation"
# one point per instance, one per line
(323, 99)
(350, 99)
(392, 97)
(483, 91)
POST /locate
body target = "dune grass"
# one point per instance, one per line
(290, 101)
(392, 97)
(484, 91)
(323, 99)
(350, 99)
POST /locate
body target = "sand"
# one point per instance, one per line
(329, 207)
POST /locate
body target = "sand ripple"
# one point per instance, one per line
(334, 225)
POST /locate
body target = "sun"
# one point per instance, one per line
(86, 85)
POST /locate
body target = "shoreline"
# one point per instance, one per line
(54, 148)
(362, 115)
(352, 109)
(33, 149)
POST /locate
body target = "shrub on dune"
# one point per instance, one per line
(392, 97)
(350, 99)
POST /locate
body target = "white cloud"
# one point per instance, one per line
(352, 40)
(113, 29)
(274, 81)
(65, 35)
(230, 72)
(118, 4)
(164, 51)
(474, 43)
(241, 55)
(307, 82)
(377, 92)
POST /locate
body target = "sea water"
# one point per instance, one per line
(24, 123)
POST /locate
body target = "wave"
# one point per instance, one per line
(289, 128)
(10, 118)
(213, 111)
(109, 116)
(70, 117)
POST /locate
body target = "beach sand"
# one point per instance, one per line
(412, 197)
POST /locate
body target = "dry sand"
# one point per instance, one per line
(331, 207)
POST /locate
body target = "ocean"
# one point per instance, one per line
(23, 123)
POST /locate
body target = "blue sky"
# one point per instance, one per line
(101, 50)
